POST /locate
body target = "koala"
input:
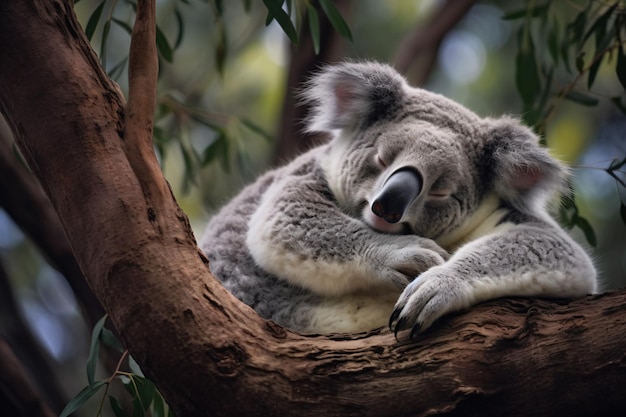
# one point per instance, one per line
(416, 208)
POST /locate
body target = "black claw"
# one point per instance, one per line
(394, 316)
(415, 331)
(400, 325)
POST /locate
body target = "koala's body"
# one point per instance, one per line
(416, 208)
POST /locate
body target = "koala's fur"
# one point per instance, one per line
(303, 246)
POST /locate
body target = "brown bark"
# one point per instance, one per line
(215, 356)
(417, 53)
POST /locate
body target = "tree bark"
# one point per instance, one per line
(209, 354)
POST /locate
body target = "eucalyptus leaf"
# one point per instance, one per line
(94, 350)
(117, 408)
(314, 27)
(622, 212)
(181, 28)
(82, 397)
(108, 339)
(535, 11)
(163, 45)
(90, 29)
(620, 68)
(587, 230)
(581, 98)
(336, 19)
(275, 10)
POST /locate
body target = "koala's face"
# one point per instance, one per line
(405, 176)
(409, 161)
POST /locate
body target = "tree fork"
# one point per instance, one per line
(209, 354)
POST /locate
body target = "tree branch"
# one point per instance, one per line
(424, 41)
(215, 356)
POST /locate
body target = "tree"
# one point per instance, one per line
(210, 355)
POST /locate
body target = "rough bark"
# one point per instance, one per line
(212, 356)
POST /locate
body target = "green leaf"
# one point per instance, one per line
(158, 406)
(181, 28)
(93, 20)
(527, 78)
(134, 366)
(246, 5)
(581, 98)
(94, 350)
(580, 62)
(620, 69)
(123, 25)
(82, 397)
(163, 45)
(601, 51)
(616, 164)
(577, 28)
(336, 19)
(618, 102)
(105, 38)
(218, 150)
(219, 6)
(117, 408)
(221, 50)
(314, 27)
(553, 41)
(108, 338)
(530, 12)
(622, 212)
(587, 230)
(600, 25)
(275, 10)
(257, 129)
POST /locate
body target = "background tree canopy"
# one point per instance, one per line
(226, 112)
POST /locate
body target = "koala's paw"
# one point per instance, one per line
(432, 295)
(406, 257)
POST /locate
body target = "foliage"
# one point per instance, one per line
(554, 43)
(145, 398)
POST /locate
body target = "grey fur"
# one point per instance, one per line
(302, 246)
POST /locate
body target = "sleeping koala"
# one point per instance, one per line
(416, 208)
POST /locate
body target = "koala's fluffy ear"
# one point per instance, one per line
(523, 172)
(353, 95)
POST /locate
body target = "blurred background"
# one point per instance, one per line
(227, 114)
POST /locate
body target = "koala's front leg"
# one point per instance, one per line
(299, 234)
(520, 261)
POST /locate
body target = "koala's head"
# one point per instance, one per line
(409, 161)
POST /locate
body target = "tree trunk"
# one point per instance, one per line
(209, 354)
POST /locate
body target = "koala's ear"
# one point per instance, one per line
(353, 95)
(523, 172)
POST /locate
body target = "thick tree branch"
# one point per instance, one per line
(419, 49)
(215, 356)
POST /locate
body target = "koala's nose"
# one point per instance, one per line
(400, 189)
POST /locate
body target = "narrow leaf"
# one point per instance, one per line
(336, 19)
(116, 407)
(600, 25)
(620, 69)
(553, 41)
(618, 102)
(314, 27)
(581, 98)
(108, 338)
(123, 25)
(527, 78)
(93, 20)
(531, 12)
(221, 50)
(622, 212)
(587, 230)
(257, 129)
(82, 397)
(580, 62)
(94, 350)
(158, 406)
(577, 28)
(163, 45)
(274, 7)
(181, 28)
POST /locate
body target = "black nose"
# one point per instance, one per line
(400, 189)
